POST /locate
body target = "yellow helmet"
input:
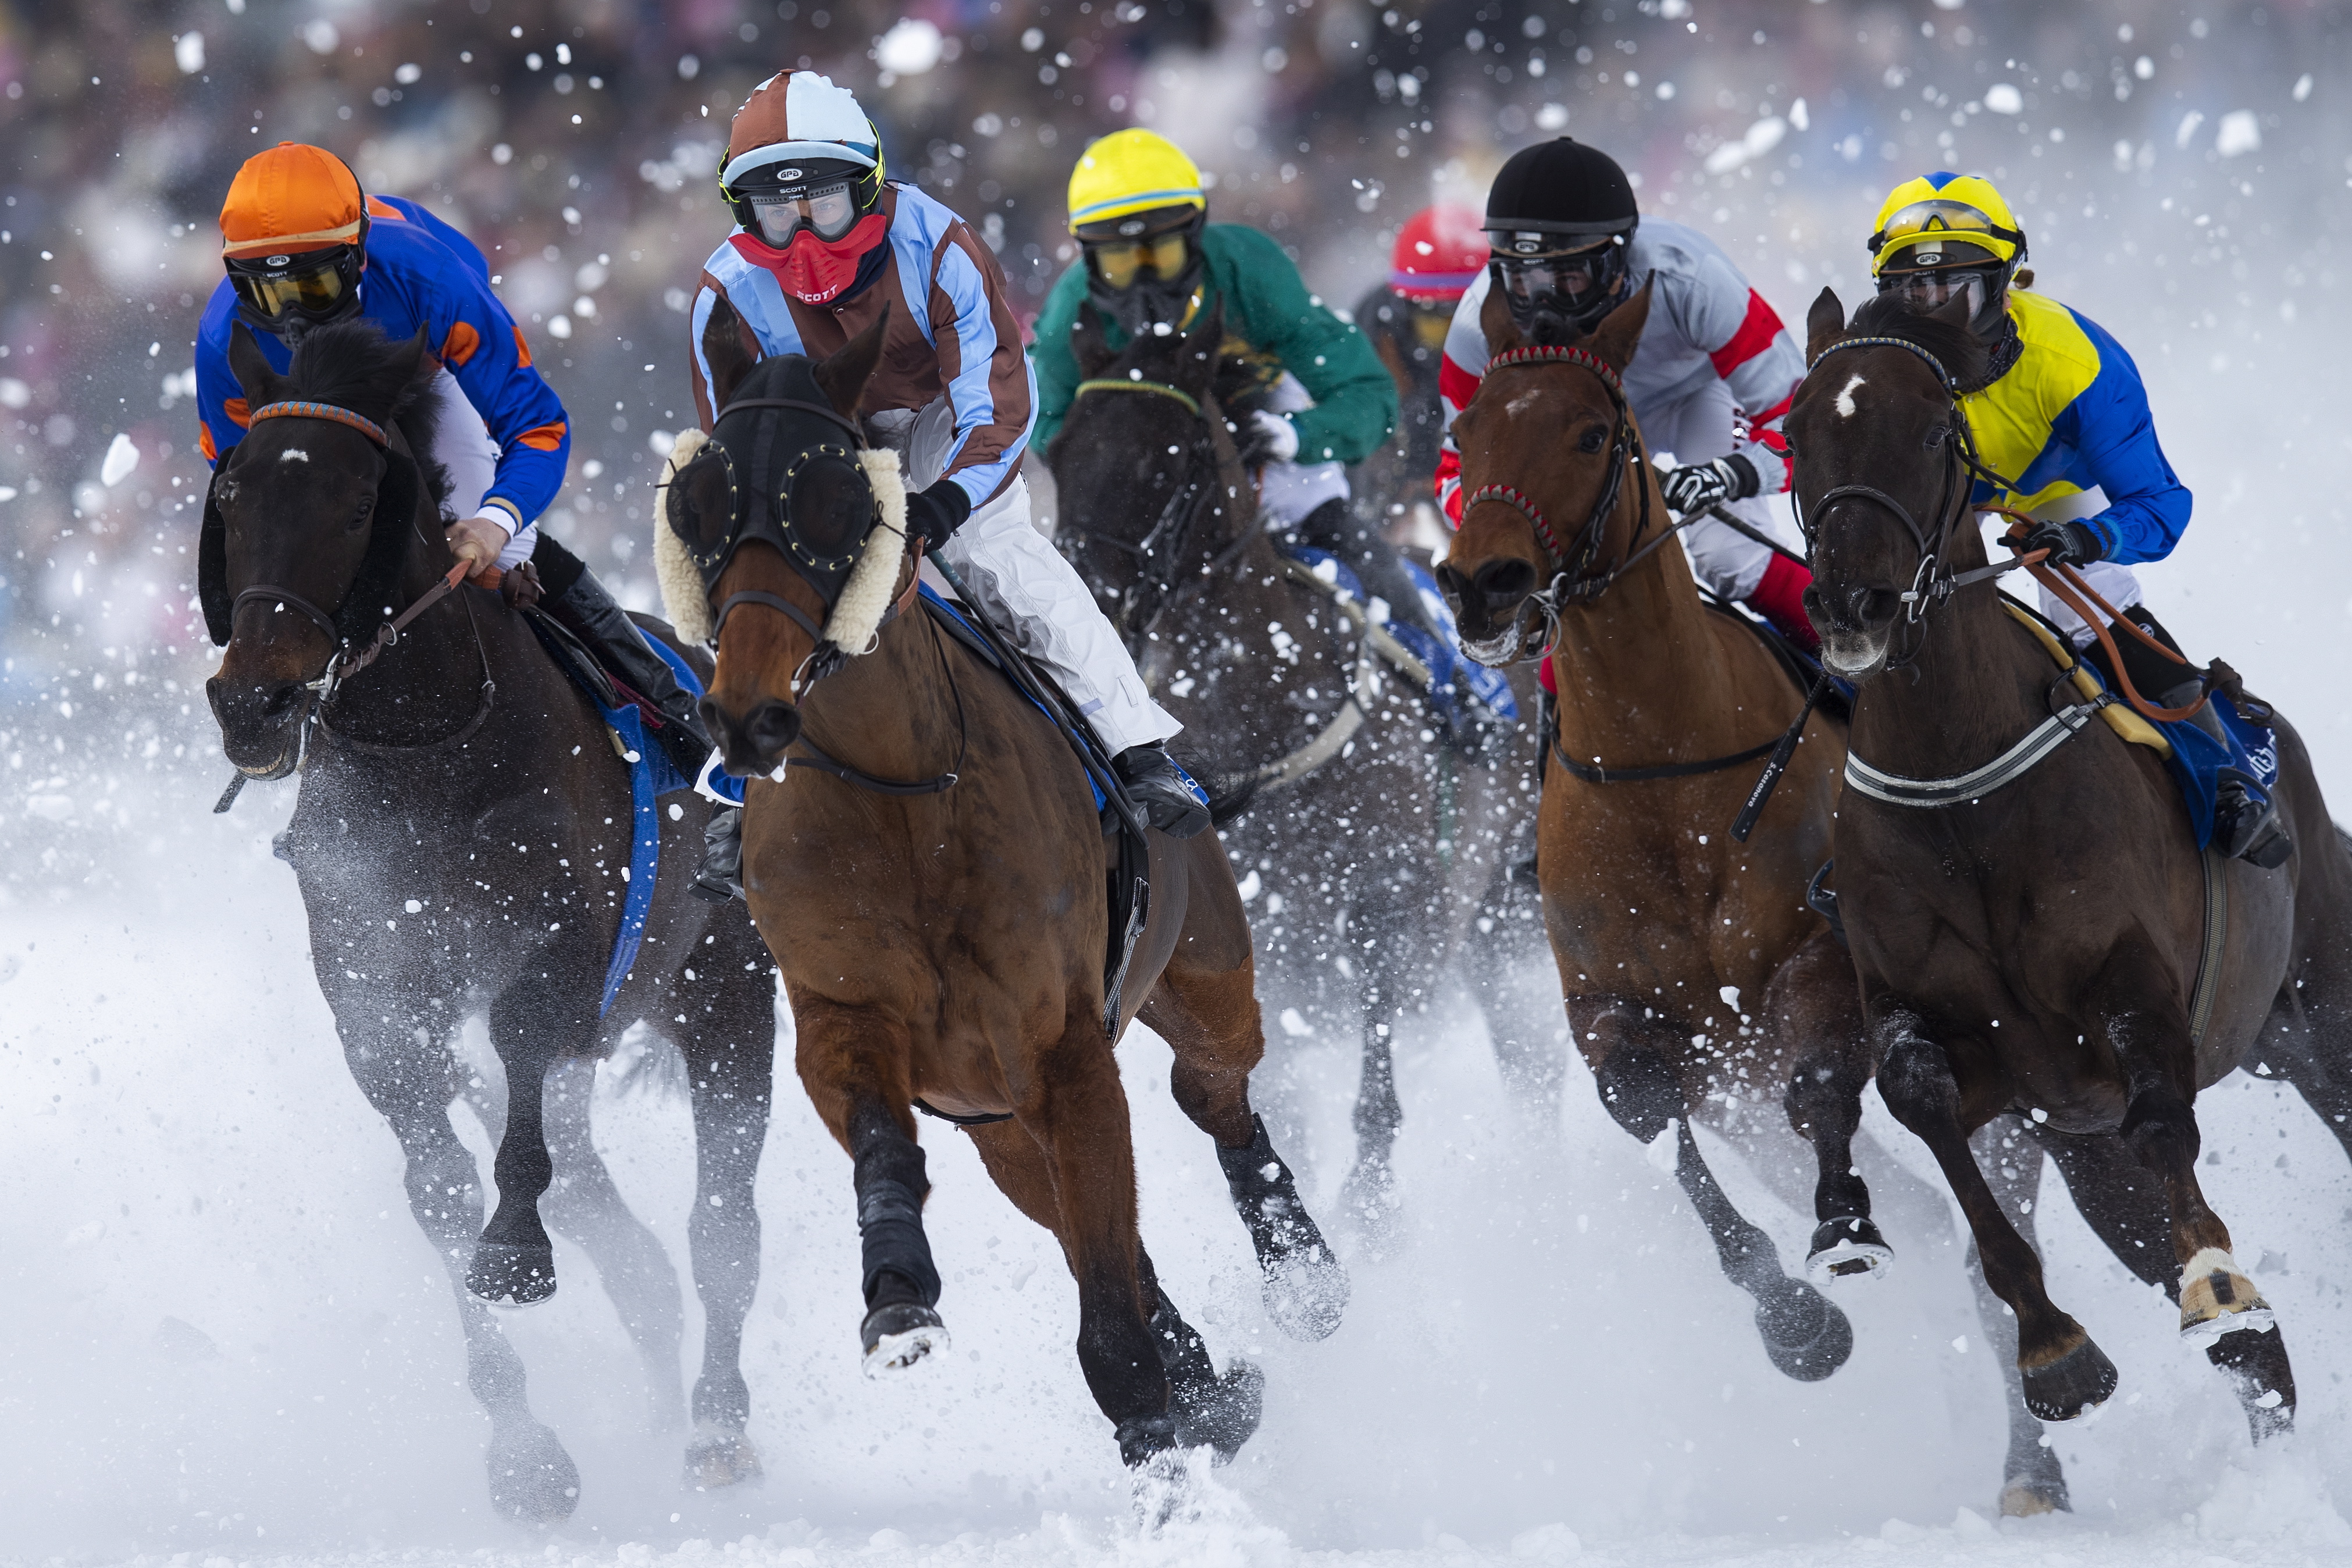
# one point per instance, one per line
(1131, 171)
(1934, 210)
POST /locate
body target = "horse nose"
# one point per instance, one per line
(1851, 611)
(755, 742)
(252, 715)
(1503, 582)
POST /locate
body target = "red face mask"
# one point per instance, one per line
(812, 269)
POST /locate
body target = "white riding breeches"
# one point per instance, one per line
(463, 447)
(1696, 429)
(1286, 492)
(1029, 589)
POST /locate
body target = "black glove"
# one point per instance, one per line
(1703, 485)
(933, 515)
(2069, 543)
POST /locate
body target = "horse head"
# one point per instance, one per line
(1873, 436)
(1137, 462)
(1543, 446)
(308, 524)
(775, 512)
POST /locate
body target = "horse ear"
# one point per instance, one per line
(1620, 331)
(1824, 322)
(422, 366)
(727, 350)
(844, 375)
(1196, 362)
(1089, 346)
(1494, 321)
(259, 383)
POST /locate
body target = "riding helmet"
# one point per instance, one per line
(1560, 213)
(1137, 206)
(801, 154)
(294, 239)
(1945, 234)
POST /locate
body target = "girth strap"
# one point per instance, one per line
(1594, 773)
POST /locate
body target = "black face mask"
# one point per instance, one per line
(1556, 300)
(792, 480)
(1149, 300)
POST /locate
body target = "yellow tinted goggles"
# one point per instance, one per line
(1118, 262)
(1937, 218)
(303, 292)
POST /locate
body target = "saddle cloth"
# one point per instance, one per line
(1453, 679)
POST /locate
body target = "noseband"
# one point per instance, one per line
(1574, 580)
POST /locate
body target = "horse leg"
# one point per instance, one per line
(1804, 1336)
(1216, 1412)
(1370, 1193)
(585, 1208)
(2032, 1481)
(2121, 1204)
(853, 1064)
(1206, 1007)
(514, 1261)
(1816, 1012)
(407, 1081)
(1522, 1017)
(2062, 1371)
(731, 1072)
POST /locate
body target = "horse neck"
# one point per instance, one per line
(429, 682)
(1640, 652)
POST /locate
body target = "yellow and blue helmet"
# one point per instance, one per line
(1944, 220)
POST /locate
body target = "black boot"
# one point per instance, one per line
(1357, 543)
(574, 597)
(1157, 785)
(721, 877)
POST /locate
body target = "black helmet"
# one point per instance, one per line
(1558, 218)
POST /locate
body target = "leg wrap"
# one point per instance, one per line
(891, 1188)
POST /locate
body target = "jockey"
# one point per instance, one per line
(1711, 378)
(304, 247)
(1152, 262)
(1438, 253)
(2063, 417)
(826, 243)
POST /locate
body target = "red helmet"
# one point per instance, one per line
(1439, 254)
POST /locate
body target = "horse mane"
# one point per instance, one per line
(351, 364)
(1964, 355)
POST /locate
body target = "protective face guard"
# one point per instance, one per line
(1927, 289)
(777, 493)
(1118, 262)
(276, 292)
(1552, 293)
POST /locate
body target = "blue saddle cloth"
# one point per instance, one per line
(2197, 760)
(1453, 679)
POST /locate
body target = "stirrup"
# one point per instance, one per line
(2244, 831)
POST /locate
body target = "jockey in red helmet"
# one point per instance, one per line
(1438, 253)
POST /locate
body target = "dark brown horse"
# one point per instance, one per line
(1375, 841)
(2047, 941)
(942, 936)
(1698, 983)
(461, 840)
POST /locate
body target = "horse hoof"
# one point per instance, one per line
(1848, 1248)
(898, 1334)
(2075, 1384)
(512, 1274)
(1219, 1414)
(532, 1479)
(717, 1458)
(1804, 1336)
(2023, 1497)
(2216, 1299)
(1306, 1291)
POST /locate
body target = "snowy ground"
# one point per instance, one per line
(228, 1344)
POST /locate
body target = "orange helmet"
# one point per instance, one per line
(294, 236)
(1439, 254)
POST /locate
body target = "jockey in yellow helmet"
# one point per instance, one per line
(2060, 414)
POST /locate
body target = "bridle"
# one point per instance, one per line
(344, 659)
(1160, 554)
(1573, 581)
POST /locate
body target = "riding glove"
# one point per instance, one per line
(2069, 543)
(1703, 485)
(1267, 438)
(933, 515)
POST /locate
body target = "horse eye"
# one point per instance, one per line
(1592, 440)
(360, 516)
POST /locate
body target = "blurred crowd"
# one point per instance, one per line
(576, 141)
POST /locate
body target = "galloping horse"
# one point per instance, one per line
(1698, 983)
(1377, 841)
(2043, 937)
(927, 864)
(462, 837)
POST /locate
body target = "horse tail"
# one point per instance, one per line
(1231, 799)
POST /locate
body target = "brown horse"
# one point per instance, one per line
(1698, 983)
(942, 937)
(2047, 941)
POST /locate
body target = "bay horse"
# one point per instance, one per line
(925, 859)
(1698, 984)
(1376, 841)
(2048, 942)
(461, 839)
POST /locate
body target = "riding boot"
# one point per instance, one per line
(1360, 547)
(1164, 791)
(721, 877)
(577, 600)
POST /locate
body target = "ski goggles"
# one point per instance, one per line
(278, 288)
(1573, 277)
(1119, 262)
(830, 210)
(1924, 222)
